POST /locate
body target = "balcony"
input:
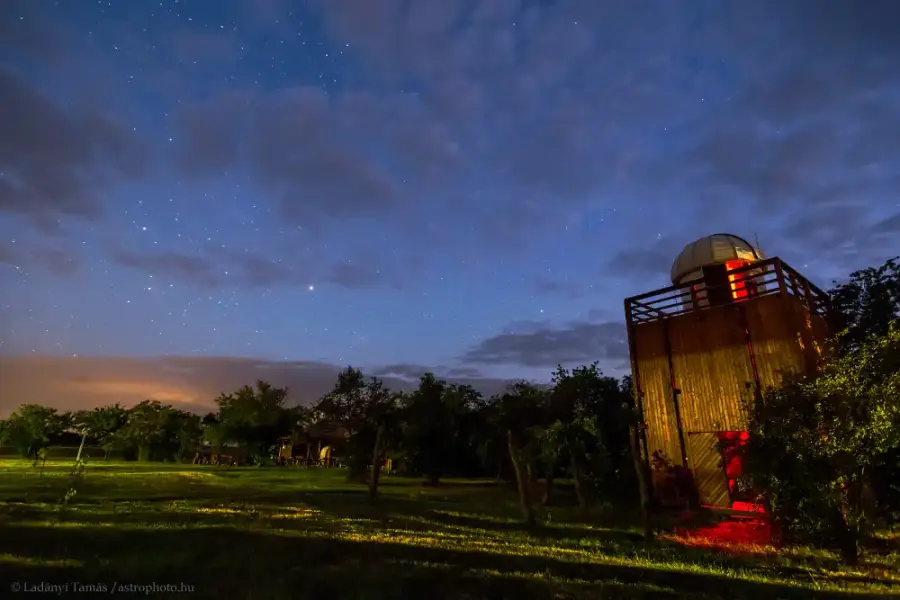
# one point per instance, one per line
(770, 277)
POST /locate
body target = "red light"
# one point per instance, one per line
(748, 507)
(737, 535)
(734, 463)
(738, 285)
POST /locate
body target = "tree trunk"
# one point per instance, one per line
(515, 456)
(548, 486)
(847, 532)
(376, 465)
(847, 540)
(643, 483)
(579, 484)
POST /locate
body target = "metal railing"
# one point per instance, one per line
(768, 277)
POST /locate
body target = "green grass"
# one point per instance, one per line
(246, 533)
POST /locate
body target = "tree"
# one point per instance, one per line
(184, 431)
(635, 425)
(464, 403)
(345, 404)
(255, 417)
(102, 424)
(434, 415)
(352, 404)
(381, 417)
(588, 428)
(866, 304)
(520, 414)
(215, 434)
(813, 442)
(145, 427)
(344, 408)
(487, 438)
(367, 411)
(32, 427)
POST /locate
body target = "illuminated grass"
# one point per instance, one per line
(295, 533)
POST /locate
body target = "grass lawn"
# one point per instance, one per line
(289, 533)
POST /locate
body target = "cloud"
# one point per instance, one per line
(545, 345)
(799, 144)
(222, 267)
(770, 169)
(26, 35)
(59, 260)
(527, 122)
(404, 371)
(72, 383)
(203, 47)
(839, 237)
(654, 259)
(172, 264)
(55, 162)
(890, 225)
(504, 118)
(300, 146)
(544, 285)
(458, 374)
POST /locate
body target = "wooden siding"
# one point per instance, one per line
(708, 469)
(652, 368)
(813, 333)
(777, 338)
(712, 369)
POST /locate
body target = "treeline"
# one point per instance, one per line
(149, 430)
(577, 427)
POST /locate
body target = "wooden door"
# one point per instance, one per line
(708, 468)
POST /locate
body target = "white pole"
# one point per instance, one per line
(80, 447)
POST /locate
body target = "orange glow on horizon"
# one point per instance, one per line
(124, 389)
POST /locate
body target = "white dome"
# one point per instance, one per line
(711, 250)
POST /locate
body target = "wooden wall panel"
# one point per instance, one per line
(713, 369)
(777, 340)
(813, 332)
(652, 368)
(708, 469)
(820, 331)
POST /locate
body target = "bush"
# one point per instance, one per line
(816, 445)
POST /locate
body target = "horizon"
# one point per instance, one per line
(193, 197)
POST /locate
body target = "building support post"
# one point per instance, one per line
(676, 395)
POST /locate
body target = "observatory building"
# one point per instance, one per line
(732, 323)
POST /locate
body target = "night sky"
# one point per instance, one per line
(194, 194)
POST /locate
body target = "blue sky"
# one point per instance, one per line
(470, 187)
